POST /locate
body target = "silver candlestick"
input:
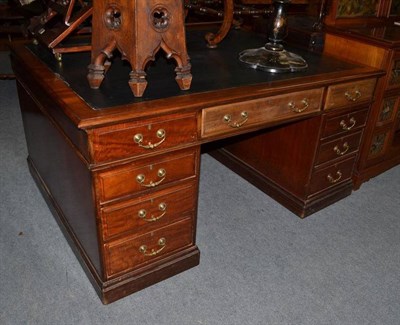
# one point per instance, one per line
(272, 57)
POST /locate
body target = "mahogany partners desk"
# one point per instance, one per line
(121, 173)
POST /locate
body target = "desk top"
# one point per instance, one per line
(218, 77)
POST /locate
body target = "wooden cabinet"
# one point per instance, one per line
(131, 223)
(144, 200)
(377, 46)
(307, 165)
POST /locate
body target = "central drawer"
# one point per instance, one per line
(232, 118)
(145, 175)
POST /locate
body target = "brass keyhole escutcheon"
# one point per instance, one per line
(113, 18)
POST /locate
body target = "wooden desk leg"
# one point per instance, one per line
(213, 39)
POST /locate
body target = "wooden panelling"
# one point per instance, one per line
(355, 50)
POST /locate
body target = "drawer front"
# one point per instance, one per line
(234, 117)
(135, 139)
(145, 174)
(123, 256)
(340, 147)
(149, 212)
(327, 177)
(344, 123)
(350, 93)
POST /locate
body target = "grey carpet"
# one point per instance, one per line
(260, 264)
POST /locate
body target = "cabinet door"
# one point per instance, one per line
(393, 81)
(388, 109)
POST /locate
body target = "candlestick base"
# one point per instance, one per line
(272, 58)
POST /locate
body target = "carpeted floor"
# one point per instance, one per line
(260, 264)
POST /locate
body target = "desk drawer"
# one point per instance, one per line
(134, 139)
(126, 255)
(324, 178)
(149, 212)
(339, 147)
(231, 118)
(146, 174)
(344, 123)
(350, 93)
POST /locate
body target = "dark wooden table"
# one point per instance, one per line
(121, 173)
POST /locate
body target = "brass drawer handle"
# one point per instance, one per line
(161, 173)
(333, 180)
(352, 97)
(161, 242)
(161, 134)
(293, 108)
(237, 124)
(142, 213)
(339, 152)
(346, 127)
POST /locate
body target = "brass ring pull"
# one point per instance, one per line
(352, 98)
(161, 173)
(142, 213)
(293, 108)
(228, 120)
(161, 134)
(333, 180)
(346, 127)
(161, 242)
(339, 152)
